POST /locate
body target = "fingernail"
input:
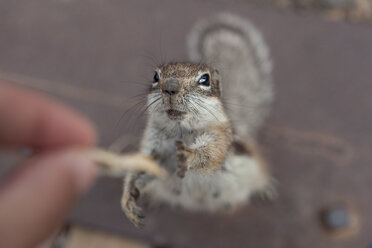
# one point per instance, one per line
(85, 172)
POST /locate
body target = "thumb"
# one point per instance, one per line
(36, 199)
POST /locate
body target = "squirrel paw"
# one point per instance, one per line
(183, 153)
(267, 194)
(132, 211)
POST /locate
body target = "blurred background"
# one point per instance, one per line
(97, 55)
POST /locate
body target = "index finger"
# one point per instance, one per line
(34, 120)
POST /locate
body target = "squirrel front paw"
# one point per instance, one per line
(183, 154)
(131, 210)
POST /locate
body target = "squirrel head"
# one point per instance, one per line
(184, 89)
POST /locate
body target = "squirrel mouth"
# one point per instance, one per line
(175, 114)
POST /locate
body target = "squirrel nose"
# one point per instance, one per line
(171, 87)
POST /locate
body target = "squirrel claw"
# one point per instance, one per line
(181, 157)
(266, 195)
(182, 147)
(180, 144)
(181, 172)
(132, 211)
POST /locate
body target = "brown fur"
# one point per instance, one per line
(211, 157)
(184, 73)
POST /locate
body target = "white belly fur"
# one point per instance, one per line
(242, 177)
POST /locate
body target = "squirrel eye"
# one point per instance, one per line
(204, 80)
(156, 77)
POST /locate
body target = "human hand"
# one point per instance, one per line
(36, 198)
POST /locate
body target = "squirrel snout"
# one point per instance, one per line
(171, 87)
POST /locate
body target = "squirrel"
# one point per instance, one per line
(211, 165)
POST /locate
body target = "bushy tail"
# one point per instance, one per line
(236, 48)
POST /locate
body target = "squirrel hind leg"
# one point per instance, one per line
(266, 194)
(249, 162)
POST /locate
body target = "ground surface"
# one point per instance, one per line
(95, 55)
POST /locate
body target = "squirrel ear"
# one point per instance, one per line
(217, 79)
